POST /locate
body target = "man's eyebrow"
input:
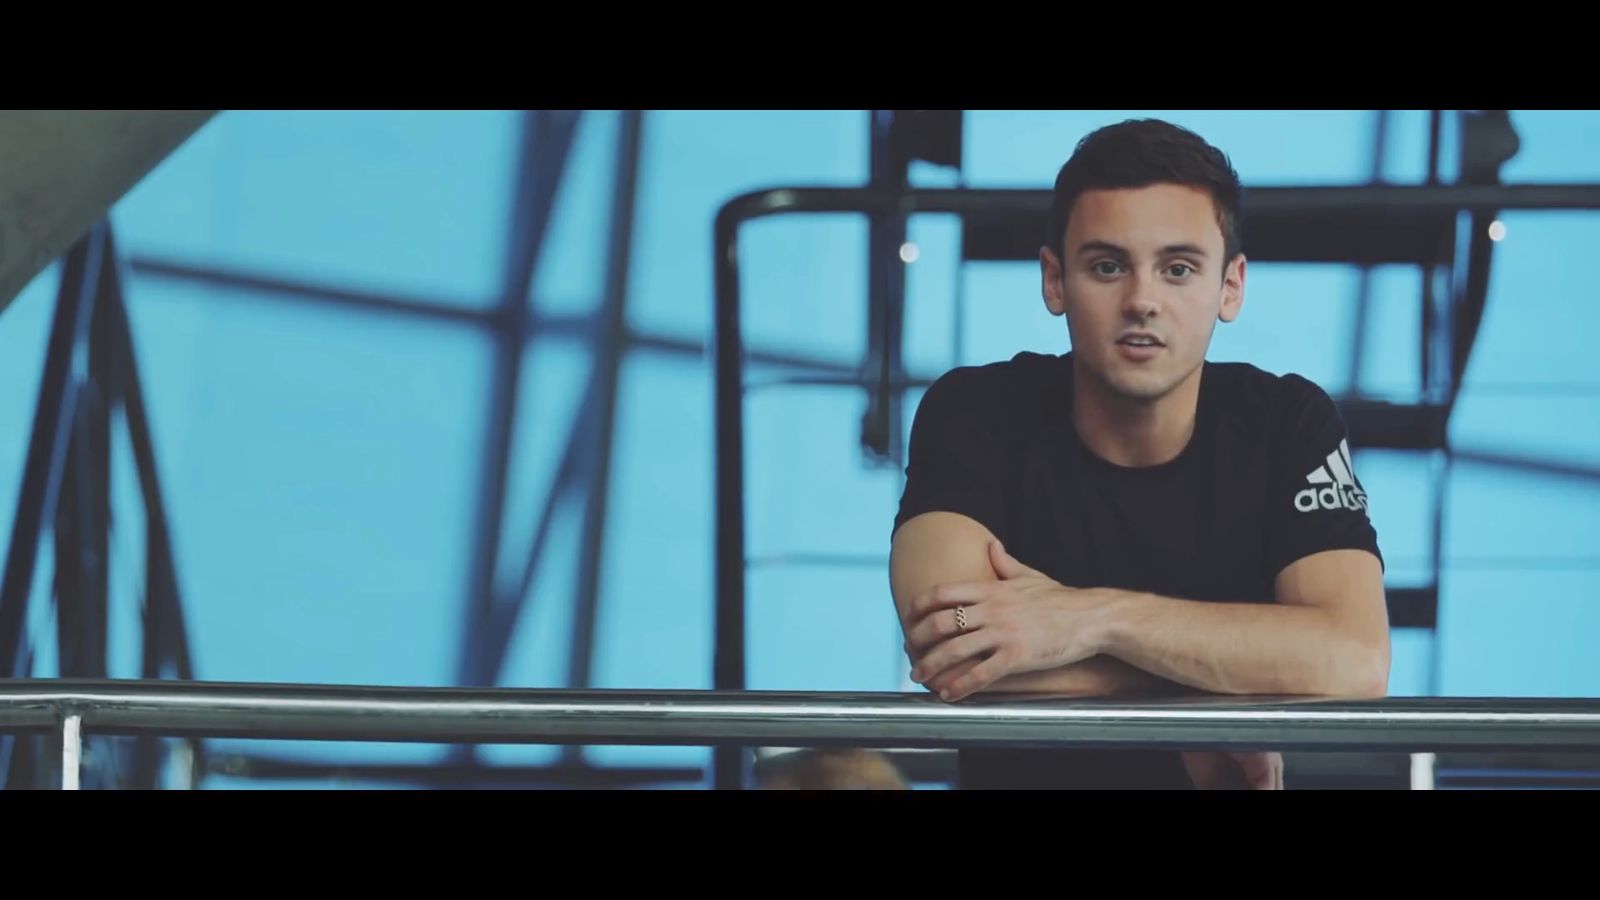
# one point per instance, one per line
(1114, 250)
(1102, 247)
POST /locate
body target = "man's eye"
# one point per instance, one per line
(1106, 267)
(1180, 270)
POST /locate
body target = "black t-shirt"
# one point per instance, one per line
(1265, 479)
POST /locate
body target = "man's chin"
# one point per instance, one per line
(1146, 387)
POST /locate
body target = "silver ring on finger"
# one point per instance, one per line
(961, 618)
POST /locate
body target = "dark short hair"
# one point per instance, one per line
(1139, 153)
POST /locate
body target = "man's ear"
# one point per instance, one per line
(1050, 274)
(1232, 289)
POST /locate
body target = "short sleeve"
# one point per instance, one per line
(1315, 502)
(954, 458)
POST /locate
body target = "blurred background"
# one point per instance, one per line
(430, 401)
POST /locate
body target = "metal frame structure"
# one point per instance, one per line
(491, 612)
(90, 372)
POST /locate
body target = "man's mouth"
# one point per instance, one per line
(1140, 340)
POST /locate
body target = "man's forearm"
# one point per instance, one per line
(1243, 648)
(1099, 676)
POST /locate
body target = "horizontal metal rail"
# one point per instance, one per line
(571, 716)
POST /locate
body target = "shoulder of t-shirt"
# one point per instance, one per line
(1288, 404)
(1006, 393)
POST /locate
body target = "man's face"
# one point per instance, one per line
(1142, 284)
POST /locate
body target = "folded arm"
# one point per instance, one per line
(946, 548)
(1328, 633)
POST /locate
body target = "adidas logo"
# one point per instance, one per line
(1333, 485)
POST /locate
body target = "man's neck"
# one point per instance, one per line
(1134, 433)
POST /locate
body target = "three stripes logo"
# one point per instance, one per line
(1333, 485)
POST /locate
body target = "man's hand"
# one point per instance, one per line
(964, 637)
(1230, 771)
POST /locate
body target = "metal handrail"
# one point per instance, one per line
(703, 718)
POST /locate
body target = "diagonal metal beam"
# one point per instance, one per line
(165, 647)
(54, 414)
(582, 325)
(602, 415)
(83, 508)
(678, 346)
(167, 636)
(585, 461)
(309, 292)
(547, 138)
(511, 606)
(65, 366)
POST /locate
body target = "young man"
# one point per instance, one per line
(1128, 517)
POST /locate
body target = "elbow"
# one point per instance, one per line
(1368, 678)
(1360, 672)
(1373, 687)
(1359, 683)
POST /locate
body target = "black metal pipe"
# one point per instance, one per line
(728, 665)
(890, 165)
(1309, 200)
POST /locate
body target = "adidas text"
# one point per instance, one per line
(1331, 497)
(1332, 485)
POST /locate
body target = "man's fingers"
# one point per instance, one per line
(941, 682)
(941, 625)
(1005, 565)
(982, 675)
(950, 653)
(948, 596)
